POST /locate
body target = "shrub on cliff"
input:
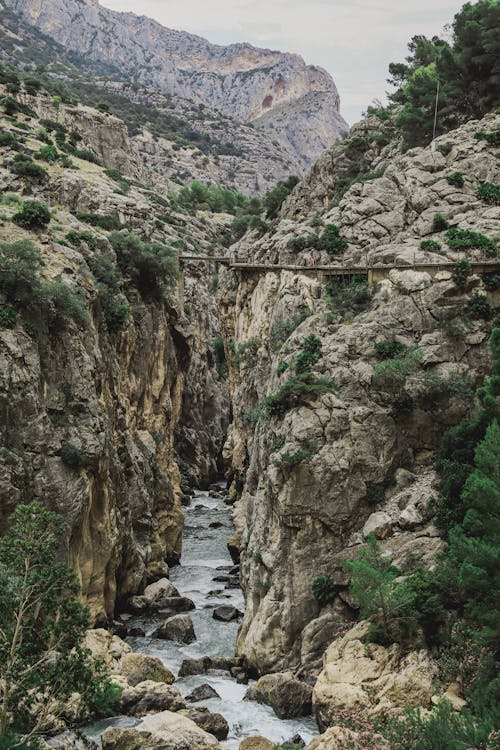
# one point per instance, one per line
(293, 391)
(42, 624)
(33, 215)
(460, 273)
(24, 166)
(152, 267)
(332, 241)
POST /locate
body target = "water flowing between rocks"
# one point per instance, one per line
(205, 550)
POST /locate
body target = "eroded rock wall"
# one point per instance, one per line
(355, 455)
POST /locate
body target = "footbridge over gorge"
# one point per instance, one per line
(373, 273)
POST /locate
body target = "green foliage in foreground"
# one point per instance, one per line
(42, 626)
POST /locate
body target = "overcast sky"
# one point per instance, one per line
(353, 39)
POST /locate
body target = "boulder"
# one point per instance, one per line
(379, 524)
(177, 604)
(287, 696)
(202, 693)
(295, 741)
(226, 613)
(161, 594)
(370, 679)
(138, 668)
(160, 589)
(177, 628)
(213, 723)
(148, 696)
(163, 731)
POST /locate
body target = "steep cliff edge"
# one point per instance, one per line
(238, 80)
(341, 392)
(97, 356)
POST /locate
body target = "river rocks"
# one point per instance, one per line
(156, 596)
(257, 743)
(177, 604)
(202, 693)
(288, 696)
(208, 664)
(371, 679)
(177, 628)
(378, 524)
(138, 668)
(163, 731)
(226, 613)
(213, 723)
(149, 696)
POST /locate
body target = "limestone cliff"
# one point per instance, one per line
(238, 80)
(89, 411)
(324, 453)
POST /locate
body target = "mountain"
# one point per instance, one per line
(241, 81)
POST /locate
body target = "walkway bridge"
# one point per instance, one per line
(373, 273)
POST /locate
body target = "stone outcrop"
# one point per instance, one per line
(368, 679)
(238, 80)
(116, 399)
(311, 473)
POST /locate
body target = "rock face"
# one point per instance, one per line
(113, 399)
(354, 442)
(371, 680)
(238, 80)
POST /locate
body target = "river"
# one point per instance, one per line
(205, 550)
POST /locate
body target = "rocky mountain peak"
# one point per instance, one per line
(241, 81)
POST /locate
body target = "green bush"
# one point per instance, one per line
(48, 153)
(489, 192)
(441, 729)
(19, 273)
(324, 589)
(116, 312)
(108, 223)
(479, 308)
(354, 295)
(389, 349)
(288, 460)
(332, 241)
(456, 179)
(293, 391)
(153, 267)
(219, 355)
(464, 239)
(274, 198)
(8, 316)
(430, 245)
(439, 223)
(72, 456)
(64, 304)
(460, 273)
(492, 138)
(33, 215)
(393, 372)
(9, 140)
(281, 330)
(76, 239)
(26, 167)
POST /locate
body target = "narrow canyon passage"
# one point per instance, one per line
(207, 528)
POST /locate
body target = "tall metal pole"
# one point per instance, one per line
(436, 111)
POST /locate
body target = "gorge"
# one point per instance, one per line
(262, 438)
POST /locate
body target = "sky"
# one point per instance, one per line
(353, 39)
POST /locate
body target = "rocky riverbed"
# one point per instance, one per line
(205, 558)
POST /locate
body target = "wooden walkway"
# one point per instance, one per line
(374, 273)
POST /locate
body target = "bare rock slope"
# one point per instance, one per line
(238, 80)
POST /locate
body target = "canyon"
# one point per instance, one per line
(192, 410)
